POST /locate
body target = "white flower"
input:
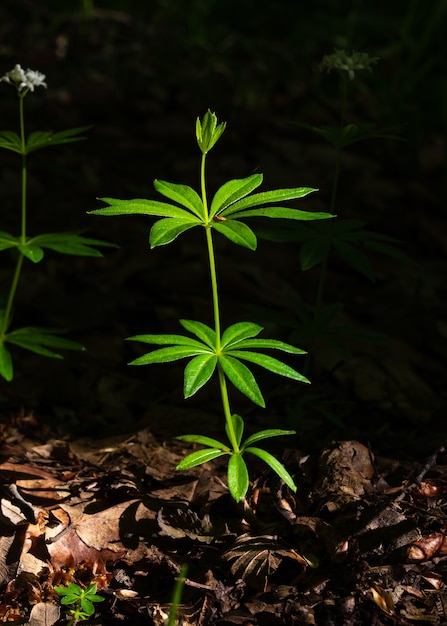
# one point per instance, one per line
(24, 79)
(349, 63)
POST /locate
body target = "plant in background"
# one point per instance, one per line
(44, 341)
(82, 599)
(348, 237)
(211, 349)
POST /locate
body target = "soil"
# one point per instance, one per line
(88, 489)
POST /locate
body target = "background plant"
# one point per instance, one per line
(211, 349)
(43, 341)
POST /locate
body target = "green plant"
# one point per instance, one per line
(211, 350)
(177, 596)
(43, 341)
(82, 599)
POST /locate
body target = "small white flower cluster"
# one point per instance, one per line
(345, 62)
(24, 79)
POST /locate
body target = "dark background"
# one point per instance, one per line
(140, 73)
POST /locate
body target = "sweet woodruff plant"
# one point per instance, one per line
(43, 341)
(212, 350)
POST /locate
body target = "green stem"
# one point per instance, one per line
(19, 263)
(216, 311)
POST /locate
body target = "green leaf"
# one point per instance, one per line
(268, 343)
(238, 426)
(237, 232)
(40, 340)
(276, 465)
(232, 191)
(166, 340)
(208, 131)
(139, 206)
(72, 589)
(242, 378)
(239, 331)
(237, 477)
(282, 213)
(267, 197)
(44, 139)
(165, 355)
(198, 372)
(87, 606)
(268, 363)
(10, 141)
(266, 434)
(201, 330)
(72, 243)
(6, 368)
(183, 194)
(355, 258)
(313, 252)
(205, 441)
(8, 241)
(166, 230)
(199, 457)
(31, 252)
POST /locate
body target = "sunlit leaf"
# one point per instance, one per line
(268, 197)
(183, 194)
(238, 427)
(280, 213)
(242, 378)
(205, 441)
(165, 355)
(239, 331)
(140, 206)
(237, 232)
(201, 330)
(276, 465)
(269, 363)
(199, 457)
(232, 191)
(198, 372)
(166, 230)
(267, 343)
(266, 434)
(166, 340)
(237, 477)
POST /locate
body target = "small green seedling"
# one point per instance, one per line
(43, 341)
(213, 351)
(82, 599)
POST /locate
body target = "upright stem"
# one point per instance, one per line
(18, 268)
(216, 312)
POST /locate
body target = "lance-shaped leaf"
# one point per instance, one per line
(6, 368)
(266, 434)
(71, 243)
(238, 427)
(165, 355)
(198, 372)
(268, 363)
(199, 457)
(183, 194)
(8, 241)
(281, 213)
(205, 441)
(201, 330)
(166, 230)
(31, 252)
(232, 191)
(239, 331)
(268, 197)
(237, 232)
(242, 378)
(167, 340)
(139, 206)
(10, 141)
(44, 139)
(276, 465)
(237, 477)
(41, 341)
(266, 343)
